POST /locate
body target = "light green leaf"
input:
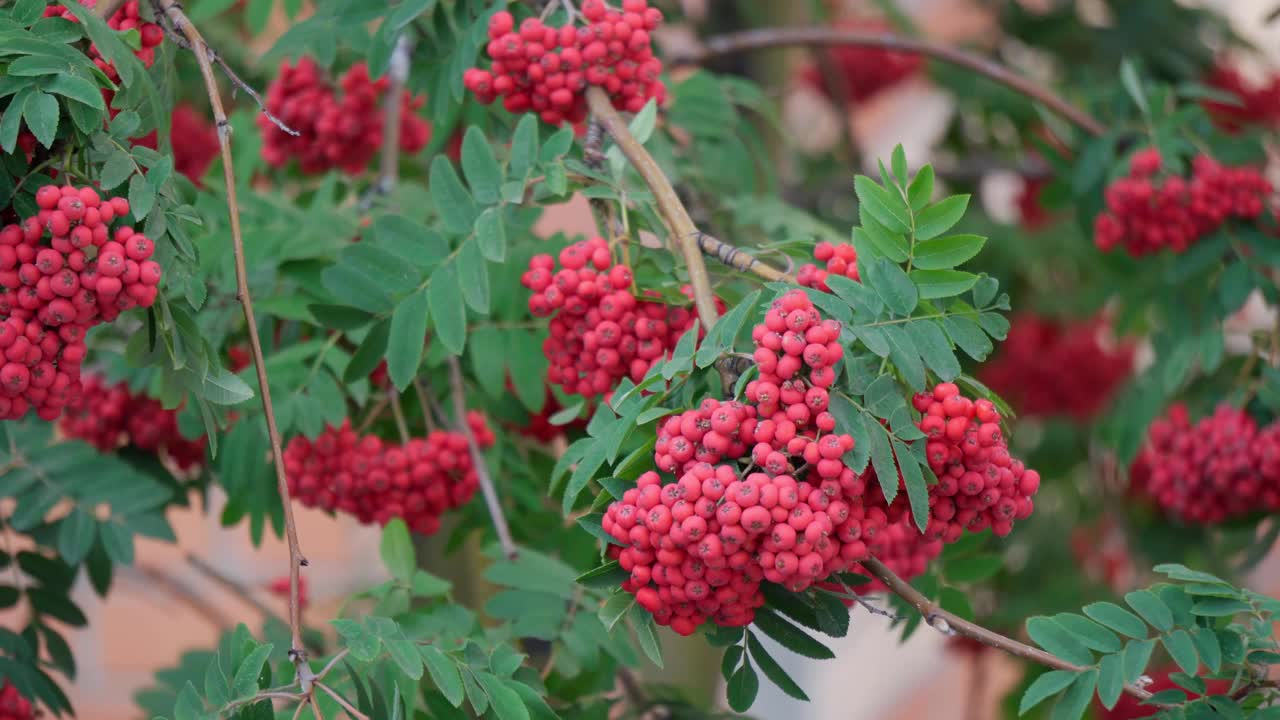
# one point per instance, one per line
(407, 335)
(245, 684)
(41, 113)
(887, 206)
(1045, 686)
(491, 234)
(945, 253)
(920, 192)
(893, 286)
(397, 550)
(1057, 640)
(473, 275)
(940, 217)
(484, 175)
(1110, 680)
(1136, 656)
(1117, 618)
(1151, 608)
(935, 284)
(448, 316)
(444, 673)
(456, 206)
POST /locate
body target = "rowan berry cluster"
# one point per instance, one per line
(547, 69)
(52, 292)
(600, 332)
(1147, 213)
(1051, 368)
(1220, 468)
(840, 259)
(376, 481)
(342, 131)
(980, 485)
(280, 587)
(865, 71)
(12, 705)
(1257, 105)
(111, 416)
(194, 141)
(150, 35)
(1032, 214)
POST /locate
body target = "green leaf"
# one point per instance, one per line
(76, 88)
(473, 274)
(790, 636)
(397, 550)
(245, 684)
(882, 458)
(142, 196)
(935, 284)
(484, 175)
(886, 206)
(682, 356)
(1151, 608)
(491, 234)
(424, 584)
(743, 687)
(1182, 650)
(968, 336)
(1208, 647)
(940, 217)
(1219, 607)
(455, 205)
(947, 252)
(1133, 84)
(772, 670)
(524, 147)
(1045, 686)
(1088, 632)
(222, 387)
(1136, 656)
(905, 356)
(898, 161)
(726, 329)
(615, 608)
(364, 645)
(117, 169)
(1076, 699)
(1058, 640)
(913, 479)
(506, 703)
(920, 192)
(893, 286)
(1182, 572)
(1110, 680)
(972, 569)
(1117, 618)
(76, 534)
(448, 316)
(409, 240)
(408, 334)
(645, 635)
(370, 352)
(444, 673)
(41, 113)
(872, 241)
(932, 343)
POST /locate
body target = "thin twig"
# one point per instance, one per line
(315, 710)
(332, 664)
(187, 596)
(373, 414)
(427, 418)
(950, 624)
(216, 58)
(351, 709)
(496, 514)
(810, 36)
(106, 8)
(230, 585)
(178, 19)
(402, 427)
(297, 713)
(389, 156)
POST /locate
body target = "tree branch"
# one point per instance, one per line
(228, 584)
(487, 488)
(821, 36)
(346, 705)
(684, 233)
(172, 11)
(949, 624)
(389, 156)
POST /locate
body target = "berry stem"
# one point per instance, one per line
(950, 624)
(346, 704)
(730, 43)
(692, 242)
(172, 11)
(402, 427)
(491, 500)
(427, 418)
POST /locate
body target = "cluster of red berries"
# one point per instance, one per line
(840, 259)
(1147, 214)
(335, 131)
(150, 35)
(12, 705)
(1258, 105)
(1220, 468)
(980, 485)
(280, 587)
(194, 140)
(1032, 214)
(548, 69)
(52, 293)
(111, 416)
(600, 332)
(1046, 367)
(865, 71)
(376, 481)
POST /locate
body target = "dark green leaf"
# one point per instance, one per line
(481, 167)
(887, 206)
(1151, 608)
(1219, 607)
(893, 286)
(772, 670)
(448, 316)
(743, 687)
(1076, 699)
(932, 343)
(1045, 686)
(1136, 656)
(407, 336)
(1110, 680)
(1056, 639)
(41, 113)
(972, 569)
(1117, 618)
(1088, 632)
(948, 252)
(455, 205)
(444, 673)
(1182, 650)
(790, 636)
(245, 684)
(76, 534)
(1208, 648)
(913, 480)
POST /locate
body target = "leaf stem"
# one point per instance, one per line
(491, 500)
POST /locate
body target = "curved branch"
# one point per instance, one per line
(487, 488)
(172, 11)
(948, 624)
(821, 36)
(691, 242)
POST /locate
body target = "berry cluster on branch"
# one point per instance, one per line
(1257, 104)
(1219, 468)
(1047, 367)
(698, 547)
(839, 259)
(63, 271)
(1148, 212)
(13, 706)
(376, 481)
(109, 417)
(335, 130)
(599, 332)
(547, 70)
(864, 71)
(127, 17)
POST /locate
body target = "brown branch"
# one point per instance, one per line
(821, 36)
(187, 596)
(487, 488)
(402, 427)
(950, 624)
(425, 403)
(346, 705)
(389, 155)
(683, 232)
(229, 584)
(172, 11)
